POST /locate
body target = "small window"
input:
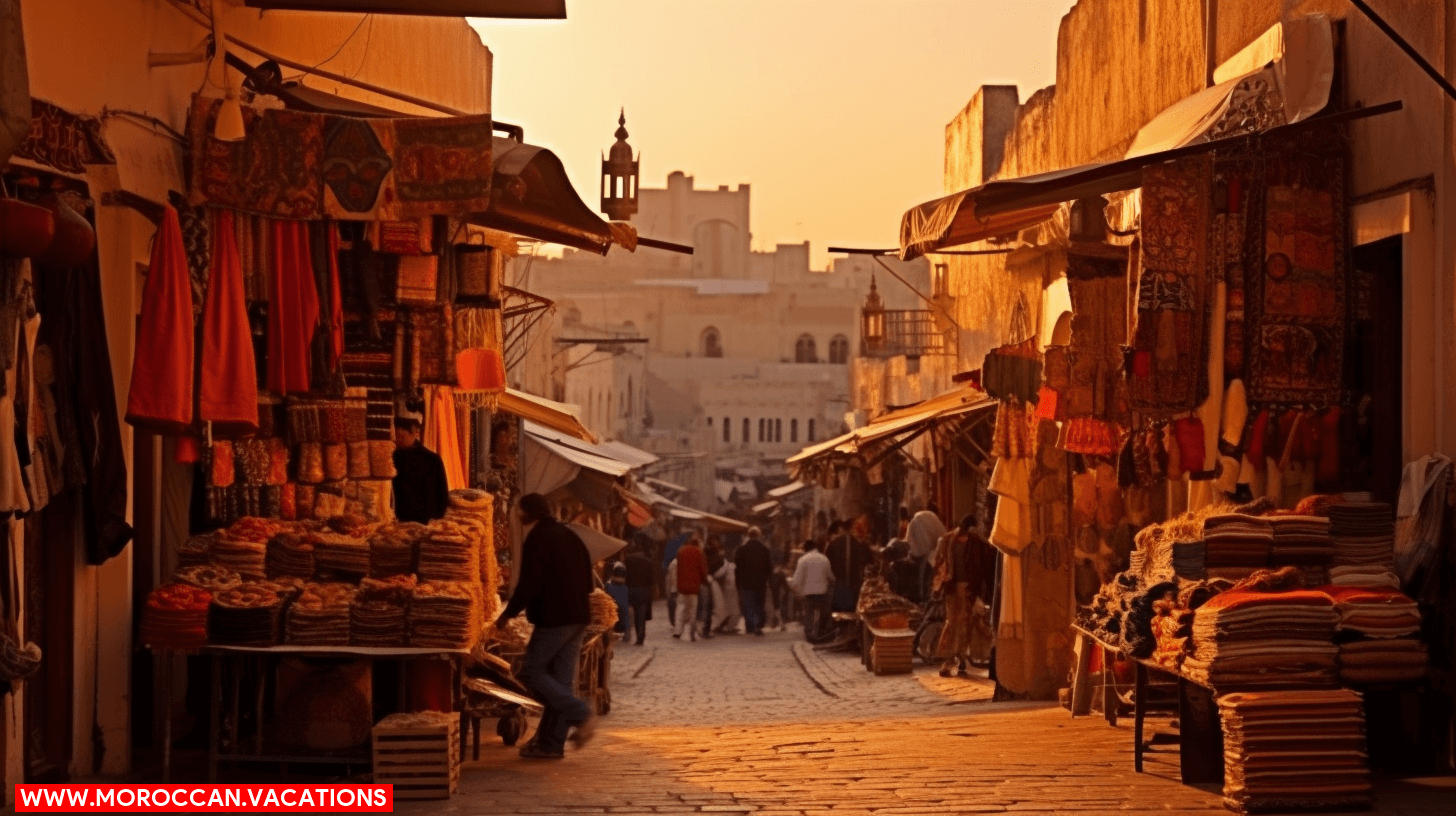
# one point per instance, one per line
(746, 425)
(940, 280)
(712, 342)
(778, 430)
(793, 430)
(839, 350)
(805, 351)
(727, 430)
(809, 434)
(760, 429)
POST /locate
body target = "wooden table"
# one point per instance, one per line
(1200, 730)
(228, 669)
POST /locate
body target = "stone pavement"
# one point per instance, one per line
(740, 724)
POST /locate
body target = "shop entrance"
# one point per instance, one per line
(1374, 365)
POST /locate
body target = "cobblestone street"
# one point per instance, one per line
(741, 724)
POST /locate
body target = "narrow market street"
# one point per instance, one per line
(739, 724)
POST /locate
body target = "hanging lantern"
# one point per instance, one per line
(1087, 220)
(26, 230)
(482, 377)
(74, 240)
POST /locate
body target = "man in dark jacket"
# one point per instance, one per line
(554, 589)
(754, 566)
(421, 493)
(640, 583)
(848, 555)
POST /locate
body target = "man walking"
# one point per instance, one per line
(812, 579)
(754, 566)
(554, 589)
(692, 573)
(640, 582)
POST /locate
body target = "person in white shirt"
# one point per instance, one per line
(812, 580)
(924, 532)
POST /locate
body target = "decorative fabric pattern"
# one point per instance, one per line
(1098, 288)
(355, 163)
(63, 140)
(1169, 370)
(309, 166)
(1295, 303)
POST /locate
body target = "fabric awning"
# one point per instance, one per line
(636, 457)
(498, 9)
(787, 490)
(532, 196)
(1291, 90)
(558, 416)
(578, 457)
(894, 425)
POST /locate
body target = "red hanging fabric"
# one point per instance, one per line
(336, 301)
(229, 397)
(160, 396)
(293, 309)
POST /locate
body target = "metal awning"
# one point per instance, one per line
(1267, 98)
(532, 196)
(499, 9)
(894, 425)
(558, 416)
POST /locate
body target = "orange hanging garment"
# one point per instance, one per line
(293, 309)
(442, 435)
(160, 396)
(229, 398)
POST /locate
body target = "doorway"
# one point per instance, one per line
(1374, 364)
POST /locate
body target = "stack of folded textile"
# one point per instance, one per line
(449, 552)
(474, 510)
(1235, 541)
(1378, 635)
(1249, 639)
(320, 616)
(392, 549)
(290, 554)
(246, 557)
(378, 614)
(1301, 540)
(247, 616)
(1295, 750)
(1364, 535)
(1189, 559)
(175, 617)
(194, 551)
(445, 615)
(1355, 575)
(340, 554)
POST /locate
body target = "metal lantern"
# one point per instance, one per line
(1088, 220)
(872, 319)
(619, 177)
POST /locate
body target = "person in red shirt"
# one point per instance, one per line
(692, 571)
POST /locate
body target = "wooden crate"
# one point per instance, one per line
(419, 754)
(891, 650)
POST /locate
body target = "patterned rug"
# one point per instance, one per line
(1295, 300)
(1097, 283)
(1169, 368)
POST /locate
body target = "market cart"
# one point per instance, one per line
(594, 670)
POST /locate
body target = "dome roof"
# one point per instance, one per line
(621, 152)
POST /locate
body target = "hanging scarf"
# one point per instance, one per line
(160, 397)
(293, 308)
(229, 387)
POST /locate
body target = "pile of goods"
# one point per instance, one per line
(1247, 638)
(1301, 540)
(1295, 750)
(1364, 544)
(879, 605)
(1378, 636)
(603, 610)
(1233, 542)
(346, 581)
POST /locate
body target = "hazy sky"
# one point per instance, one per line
(834, 110)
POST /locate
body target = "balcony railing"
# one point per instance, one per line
(908, 332)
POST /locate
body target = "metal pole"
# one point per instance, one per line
(1409, 49)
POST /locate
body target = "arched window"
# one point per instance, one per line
(839, 350)
(793, 430)
(727, 430)
(712, 343)
(778, 430)
(760, 429)
(805, 350)
(745, 430)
